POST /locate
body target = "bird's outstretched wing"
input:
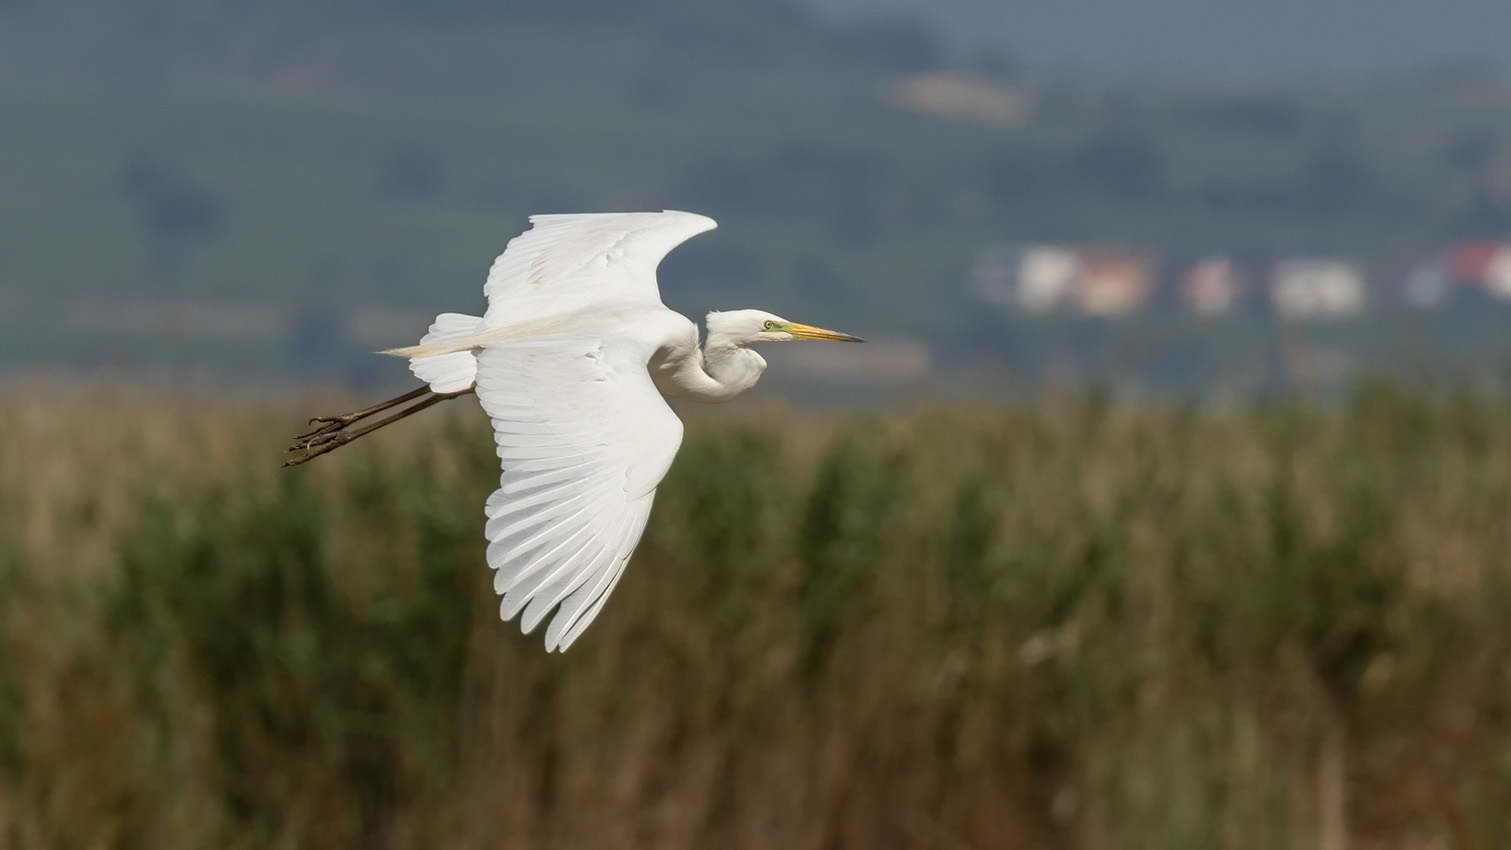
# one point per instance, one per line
(565, 262)
(584, 439)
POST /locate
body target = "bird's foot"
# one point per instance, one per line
(317, 443)
(331, 432)
(329, 436)
(305, 442)
(327, 425)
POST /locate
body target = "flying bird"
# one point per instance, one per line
(571, 361)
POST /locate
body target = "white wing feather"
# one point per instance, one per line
(562, 264)
(566, 262)
(584, 439)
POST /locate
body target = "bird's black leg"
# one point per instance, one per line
(336, 423)
(333, 433)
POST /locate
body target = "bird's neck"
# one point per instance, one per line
(726, 371)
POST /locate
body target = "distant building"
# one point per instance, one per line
(1212, 287)
(1309, 289)
(962, 97)
(1047, 278)
(1030, 279)
(1114, 280)
(1427, 285)
(1468, 261)
(1485, 264)
(1498, 275)
(1098, 280)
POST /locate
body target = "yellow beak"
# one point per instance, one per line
(810, 332)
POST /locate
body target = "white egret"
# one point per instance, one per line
(570, 361)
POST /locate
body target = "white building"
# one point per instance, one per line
(1047, 278)
(1031, 279)
(963, 97)
(1309, 289)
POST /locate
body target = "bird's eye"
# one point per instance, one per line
(769, 325)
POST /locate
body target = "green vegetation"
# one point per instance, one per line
(1077, 626)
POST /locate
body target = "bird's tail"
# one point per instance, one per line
(442, 359)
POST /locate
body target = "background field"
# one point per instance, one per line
(1080, 626)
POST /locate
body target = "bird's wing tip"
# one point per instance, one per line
(707, 222)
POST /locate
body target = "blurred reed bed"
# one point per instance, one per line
(1076, 626)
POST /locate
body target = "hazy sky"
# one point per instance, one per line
(1226, 38)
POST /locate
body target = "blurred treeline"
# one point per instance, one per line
(304, 167)
(1076, 626)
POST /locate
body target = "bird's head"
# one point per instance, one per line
(743, 327)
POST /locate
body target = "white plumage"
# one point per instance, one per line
(570, 362)
(582, 260)
(584, 438)
(453, 372)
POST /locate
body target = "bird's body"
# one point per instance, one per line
(570, 361)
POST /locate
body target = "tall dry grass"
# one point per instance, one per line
(1076, 627)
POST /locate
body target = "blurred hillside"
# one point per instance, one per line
(1278, 39)
(237, 192)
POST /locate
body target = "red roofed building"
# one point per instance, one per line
(1115, 280)
(1485, 263)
